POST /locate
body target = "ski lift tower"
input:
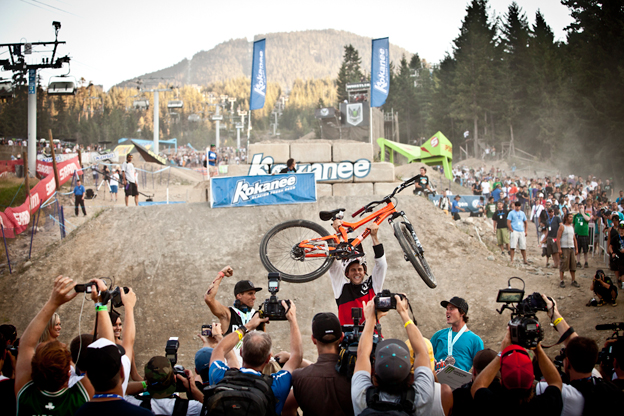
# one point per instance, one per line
(156, 112)
(17, 63)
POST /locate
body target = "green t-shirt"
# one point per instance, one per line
(32, 401)
(581, 225)
(490, 209)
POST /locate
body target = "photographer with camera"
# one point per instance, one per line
(391, 386)
(456, 345)
(237, 315)
(321, 379)
(517, 396)
(350, 293)
(616, 249)
(247, 387)
(604, 289)
(614, 370)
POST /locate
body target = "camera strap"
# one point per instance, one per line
(562, 338)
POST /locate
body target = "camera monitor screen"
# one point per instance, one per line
(510, 295)
(384, 302)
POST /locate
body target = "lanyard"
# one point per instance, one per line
(107, 396)
(245, 317)
(450, 337)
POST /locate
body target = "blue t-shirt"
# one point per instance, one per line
(282, 381)
(79, 190)
(496, 194)
(455, 207)
(212, 158)
(464, 350)
(517, 219)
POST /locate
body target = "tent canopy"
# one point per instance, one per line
(438, 150)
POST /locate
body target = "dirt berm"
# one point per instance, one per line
(170, 254)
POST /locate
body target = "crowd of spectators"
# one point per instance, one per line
(357, 371)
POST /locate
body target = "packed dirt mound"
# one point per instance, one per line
(170, 254)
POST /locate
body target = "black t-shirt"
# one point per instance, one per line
(601, 397)
(422, 180)
(112, 407)
(7, 396)
(500, 217)
(463, 402)
(549, 189)
(490, 403)
(477, 188)
(553, 226)
(617, 243)
(522, 196)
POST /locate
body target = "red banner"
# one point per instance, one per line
(15, 220)
(9, 165)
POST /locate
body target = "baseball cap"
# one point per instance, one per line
(103, 360)
(459, 303)
(159, 377)
(392, 361)
(202, 359)
(516, 368)
(541, 195)
(326, 327)
(245, 286)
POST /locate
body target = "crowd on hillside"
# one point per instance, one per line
(357, 371)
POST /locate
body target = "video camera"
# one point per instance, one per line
(350, 342)
(605, 356)
(386, 300)
(113, 295)
(171, 353)
(524, 327)
(272, 308)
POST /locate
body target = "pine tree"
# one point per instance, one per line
(350, 71)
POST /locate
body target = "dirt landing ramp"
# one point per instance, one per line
(170, 254)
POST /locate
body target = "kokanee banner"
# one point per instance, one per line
(258, 76)
(468, 202)
(240, 191)
(15, 220)
(380, 72)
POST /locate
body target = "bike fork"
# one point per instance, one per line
(410, 228)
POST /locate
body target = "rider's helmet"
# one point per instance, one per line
(359, 259)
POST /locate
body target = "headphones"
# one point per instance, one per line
(238, 305)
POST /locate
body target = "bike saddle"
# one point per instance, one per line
(328, 215)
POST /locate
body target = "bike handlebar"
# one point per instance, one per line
(387, 197)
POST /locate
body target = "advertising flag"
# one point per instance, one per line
(258, 76)
(380, 72)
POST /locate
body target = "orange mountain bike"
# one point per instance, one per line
(302, 250)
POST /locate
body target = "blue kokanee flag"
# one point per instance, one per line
(380, 72)
(258, 76)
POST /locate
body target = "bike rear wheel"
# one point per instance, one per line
(413, 253)
(279, 251)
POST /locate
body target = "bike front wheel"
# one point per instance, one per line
(413, 253)
(280, 251)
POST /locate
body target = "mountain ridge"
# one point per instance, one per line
(309, 54)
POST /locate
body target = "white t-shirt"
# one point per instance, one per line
(573, 400)
(165, 406)
(485, 187)
(130, 171)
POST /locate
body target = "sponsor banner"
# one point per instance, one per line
(60, 157)
(380, 72)
(15, 220)
(328, 112)
(258, 76)
(9, 165)
(99, 157)
(65, 169)
(354, 114)
(241, 191)
(322, 171)
(468, 202)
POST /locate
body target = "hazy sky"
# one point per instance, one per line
(113, 40)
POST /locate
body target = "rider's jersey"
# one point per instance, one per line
(349, 295)
(422, 180)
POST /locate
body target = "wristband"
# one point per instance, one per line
(144, 385)
(409, 322)
(557, 321)
(240, 334)
(101, 308)
(221, 274)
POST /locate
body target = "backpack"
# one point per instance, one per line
(89, 194)
(375, 406)
(240, 393)
(601, 397)
(179, 408)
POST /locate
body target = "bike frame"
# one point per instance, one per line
(378, 216)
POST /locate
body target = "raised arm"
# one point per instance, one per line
(560, 324)
(62, 292)
(296, 349)
(228, 343)
(129, 329)
(551, 375)
(421, 356)
(216, 307)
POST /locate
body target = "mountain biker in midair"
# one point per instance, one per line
(422, 182)
(349, 277)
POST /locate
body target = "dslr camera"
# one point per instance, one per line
(386, 300)
(272, 308)
(524, 327)
(171, 353)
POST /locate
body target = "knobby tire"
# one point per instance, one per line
(276, 251)
(413, 254)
